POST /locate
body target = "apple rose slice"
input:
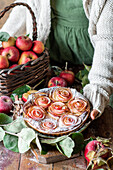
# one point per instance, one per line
(43, 101)
(61, 94)
(37, 113)
(78, 106)
(56, 109)
(47, 125)
(69, 120)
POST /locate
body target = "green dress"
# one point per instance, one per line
(69, 40)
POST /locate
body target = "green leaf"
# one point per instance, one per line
(57, 70)
(2, 134)
(45, 149)
(16, 126)
(38, 143)
(67, 146)
(79, 142)
(11, 142)
(4, 36)
(88, 68)
(85, 80)
(5, 119)
(25, 138)
(19, 91)
(52, 141)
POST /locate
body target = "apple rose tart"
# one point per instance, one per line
(61, 94)
(35, 112)
(69, 120)
(47, 125)
(43, 101)
(56, 109)
(78, 106)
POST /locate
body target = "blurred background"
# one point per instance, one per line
(3, 4)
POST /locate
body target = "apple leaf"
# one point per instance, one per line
(2, 134)
(5, 119)
(67, 145)
(16, 126)
(4, 36)
(53, 141)
(19, 91)
(25, 138)
(11, 142)
(38, 143)
(79, 142)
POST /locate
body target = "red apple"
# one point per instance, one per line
(12, 53)
(24, 43)
(57, 81)
(14, 65)
(68, 76)
(6, 104)
(1, 49)
(38, 47)
(91, 146)
(27, 56)
(4, 63)
(11, 42)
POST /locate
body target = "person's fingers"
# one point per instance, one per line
(93, 114)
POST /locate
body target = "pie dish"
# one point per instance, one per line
(56, 111)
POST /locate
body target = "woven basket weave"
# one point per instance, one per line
(38, 69)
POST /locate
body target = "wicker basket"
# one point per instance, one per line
(38, 69)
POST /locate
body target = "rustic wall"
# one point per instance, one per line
(3, 4)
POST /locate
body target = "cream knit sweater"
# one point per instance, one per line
(100, 15)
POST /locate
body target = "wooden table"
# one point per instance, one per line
(102, 127)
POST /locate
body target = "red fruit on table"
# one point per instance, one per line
(38, 47)
(27, 56)
(12, 53)
(11, 42)
(68, 76)
(91, 146)
(57, 81)
(6, 104)
(4, 63)
(24, 43)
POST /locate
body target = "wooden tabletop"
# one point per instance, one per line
(102, 127)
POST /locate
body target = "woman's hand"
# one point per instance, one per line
(93, 114)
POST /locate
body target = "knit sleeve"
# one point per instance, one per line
(15, 24)
(100, 77)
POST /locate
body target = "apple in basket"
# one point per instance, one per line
(6, 104)
(4, 63)
(68, 76)
(57, 81)
(38, 47)
(12, 53)
(11, 42)
(23, 43)
(27, 56)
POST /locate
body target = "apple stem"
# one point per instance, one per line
(56, 82)
(37, 84)
(66, 65)
(10, 133)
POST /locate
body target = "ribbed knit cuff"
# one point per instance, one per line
(98, 97)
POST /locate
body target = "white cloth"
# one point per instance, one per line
(100, 15)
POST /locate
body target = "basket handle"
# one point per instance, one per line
(31, 12)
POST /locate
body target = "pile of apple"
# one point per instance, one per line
(65, 78)
(20, 50)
